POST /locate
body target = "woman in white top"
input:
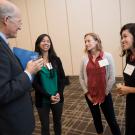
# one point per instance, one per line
(97, 78)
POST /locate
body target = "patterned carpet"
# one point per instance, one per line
(76, 119)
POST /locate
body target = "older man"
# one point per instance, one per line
(16, 113)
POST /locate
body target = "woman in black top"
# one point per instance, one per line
(128, 45)
(49, 85)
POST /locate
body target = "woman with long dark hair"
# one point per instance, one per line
(49, 85)
(128, 88)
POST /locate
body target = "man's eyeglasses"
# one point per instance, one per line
(15, 20)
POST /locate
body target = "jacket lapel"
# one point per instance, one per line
(9, 52)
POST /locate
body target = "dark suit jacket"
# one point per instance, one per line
(16, 112)
(40, 93)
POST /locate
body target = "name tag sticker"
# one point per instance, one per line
(129, 69)
(49, 66)
(103, 62)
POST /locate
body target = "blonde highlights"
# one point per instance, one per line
(96, 38)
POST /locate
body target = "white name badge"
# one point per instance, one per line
(129, 69)
(49, 66)
(103, 62)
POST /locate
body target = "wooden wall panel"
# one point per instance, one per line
(23, 39)
(79, 22)
(127, 11)
(58, 30)
(37, 19)
(106, 22)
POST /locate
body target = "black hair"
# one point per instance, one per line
(131, 28)
(51, 52)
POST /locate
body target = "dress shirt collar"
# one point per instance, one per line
(2, 35)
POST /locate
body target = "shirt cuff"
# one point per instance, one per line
(29, 75)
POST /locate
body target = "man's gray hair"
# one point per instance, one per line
(6, 10)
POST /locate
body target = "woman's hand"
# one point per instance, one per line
(94, 103)
(122, 89)
(89, 97)
(55, 99)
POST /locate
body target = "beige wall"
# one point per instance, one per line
(68, 20)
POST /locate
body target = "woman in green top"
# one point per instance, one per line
(49, 84)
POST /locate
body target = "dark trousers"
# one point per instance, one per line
(130, 114)
(108, 111)
(44, 118)
(13, 134)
